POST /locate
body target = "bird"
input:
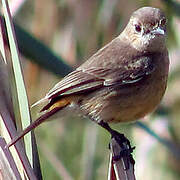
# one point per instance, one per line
(122, 82)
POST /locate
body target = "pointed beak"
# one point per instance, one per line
(158, 31)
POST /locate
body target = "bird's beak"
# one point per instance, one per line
(158, 31)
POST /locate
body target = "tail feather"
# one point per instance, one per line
(39, 102)
(53, 106)
(48, 105)
(33, 125)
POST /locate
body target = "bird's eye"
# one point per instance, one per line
(137, 28)
(162, 22)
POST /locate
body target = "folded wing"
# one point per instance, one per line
(85, 80)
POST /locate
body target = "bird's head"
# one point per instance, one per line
(146, 29)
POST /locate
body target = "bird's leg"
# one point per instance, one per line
(123, 142)
(120, 138)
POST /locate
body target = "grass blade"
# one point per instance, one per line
(7, 127)
(21, 92)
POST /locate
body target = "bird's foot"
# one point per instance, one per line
(126, 149)
(124, 143)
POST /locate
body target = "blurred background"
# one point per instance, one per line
(73, 30)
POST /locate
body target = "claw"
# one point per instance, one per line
(127, 157)
(126, 151)
(124, 143)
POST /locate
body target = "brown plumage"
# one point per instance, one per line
(123, 81)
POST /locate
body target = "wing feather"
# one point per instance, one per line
(83, 80)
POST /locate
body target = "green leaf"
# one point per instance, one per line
(21, 91)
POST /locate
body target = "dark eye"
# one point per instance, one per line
(162, 22)
(137, 28)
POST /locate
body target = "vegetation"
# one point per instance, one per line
(65, 34)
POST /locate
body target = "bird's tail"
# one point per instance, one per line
(39, 102)
(51, 108)
(34, 124)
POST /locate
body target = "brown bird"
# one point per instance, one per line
(122, 82)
